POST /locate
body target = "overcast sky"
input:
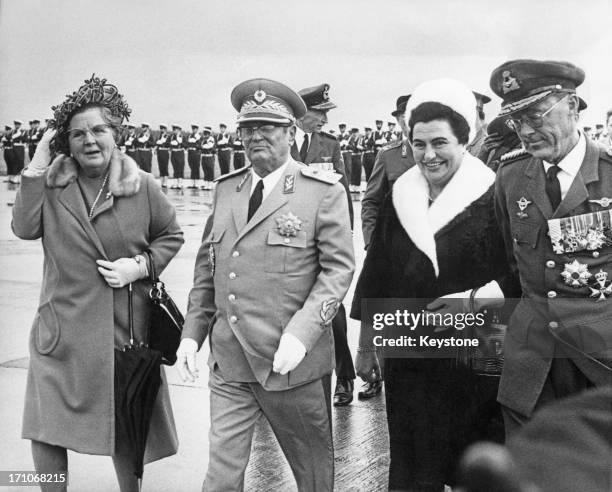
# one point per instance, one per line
(178, 60)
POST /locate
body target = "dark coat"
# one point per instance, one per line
(69, 398)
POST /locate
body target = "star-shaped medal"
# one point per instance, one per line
(576, 274)
(604, 286)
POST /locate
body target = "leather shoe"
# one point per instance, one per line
(344, 392)
(370, 390)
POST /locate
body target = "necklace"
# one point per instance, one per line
(95, 202)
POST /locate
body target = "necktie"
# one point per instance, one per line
(256, 198)
(304, 148)
(553, 187)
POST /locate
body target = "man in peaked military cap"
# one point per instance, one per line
(273, 268)
(554, 204)
(475, 146)
(312, 146)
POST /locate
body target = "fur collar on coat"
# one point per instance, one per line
(123, 180)
(421, 222)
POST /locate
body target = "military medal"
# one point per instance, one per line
(576, 274)
(602, 202)
(604, 286)
(288, 225)
(522, 203)
(211, 259)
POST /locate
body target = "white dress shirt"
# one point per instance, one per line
(269, 182)
(299, 139)
(569, 165)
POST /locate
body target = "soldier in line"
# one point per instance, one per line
(238, 150)
(193, 155)
(343, 138)
(207, 157)
(19, 140)
(224, 149)
(35, 133)
(380, 139)
(475, 146)
(606, 138)
(130, 142)
(368, 153)
(391, 134)
(144, 144)
(553, 205)
(356, 146)
(7, 150)
(162, 146)
(177, 156)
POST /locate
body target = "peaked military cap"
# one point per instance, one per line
(266, 100)
(144, 125)
(163, 127)
(17, 122)
(35, 121)
(368, 129)
(521, 83)
(400, 106)
(378, 122)
(176, 127)
(208, 129)
(317, 97)
(194, 126)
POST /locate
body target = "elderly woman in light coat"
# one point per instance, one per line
(102, 222)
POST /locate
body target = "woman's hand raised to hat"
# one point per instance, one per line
(42, 156)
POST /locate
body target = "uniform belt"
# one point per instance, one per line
(369, 151)
(176, 150)
(241, 150)
(163, 148)
(19, 145)
(207, 153)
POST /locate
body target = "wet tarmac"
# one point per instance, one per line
(360, 432)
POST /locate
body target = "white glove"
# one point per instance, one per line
(121, 272)
(186, 359)
(42, 157)
(289, 354)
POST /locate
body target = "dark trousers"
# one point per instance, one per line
(208, 166)
(133, 153)
(9, 158)
(344, 360)
(347, 157)
(19, 158)
(31, 150)
(368, 163)
(225, 155)
(355, 179)
(145, 158)
(238, 159)
(193, 159)
(178, 163)
(163, 157)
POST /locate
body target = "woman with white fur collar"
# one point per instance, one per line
(437, 243)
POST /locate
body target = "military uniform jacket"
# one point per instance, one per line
(163, 140)
(553, 307)
(380, 139)
(207, 144)
(391, 162)
(193, 141)
(34, 136)
(255, 281)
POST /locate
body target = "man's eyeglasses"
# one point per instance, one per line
(264, 130)
(534, 120)
(97, 131)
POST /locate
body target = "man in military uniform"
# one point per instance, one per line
(162, 146)
(177, 156)
(356, 146)
(35, 133)
(380, 139)
(475, 146)
(343, 140)
(553, 206)
(208, 157)
(130, 142)
(391, 134)
(224, 148)
(238, 151)
(274, 265)
(313, 146)
(144, 144)
(193, 155)
(7, 151)
(369, 154)
(19, 140)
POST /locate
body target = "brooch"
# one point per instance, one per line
(604, 286)
(288, 225)
(576, 274)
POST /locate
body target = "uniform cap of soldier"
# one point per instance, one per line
(317, 97)
(163, 127)
(268, 101)
(144, 125)
(194, 126)
(522, 83)
(207, 129)
(400, 106)
(16, 122)
(35, 121)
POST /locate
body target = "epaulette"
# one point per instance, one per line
(513, 156)
(328, 135)
(392, 145)
(237, 172)
(328, 177)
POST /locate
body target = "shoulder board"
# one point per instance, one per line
(328, 135)
(328, 177)
(232, 174)
(513, 156)
(392, 145)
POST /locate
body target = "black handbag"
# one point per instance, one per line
(167, 320)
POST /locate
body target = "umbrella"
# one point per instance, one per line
(137, 382)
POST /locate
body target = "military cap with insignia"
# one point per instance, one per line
(163, 127)
(522, 83)
(400, 106)
(317, 97)
(266, 100)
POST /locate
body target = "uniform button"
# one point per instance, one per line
(231, 297)
(233, 319)
(232, 275)
(551, 294)
(235, 254)
(553, 325)
(287, 240)
(595, 254)
(550, 264)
